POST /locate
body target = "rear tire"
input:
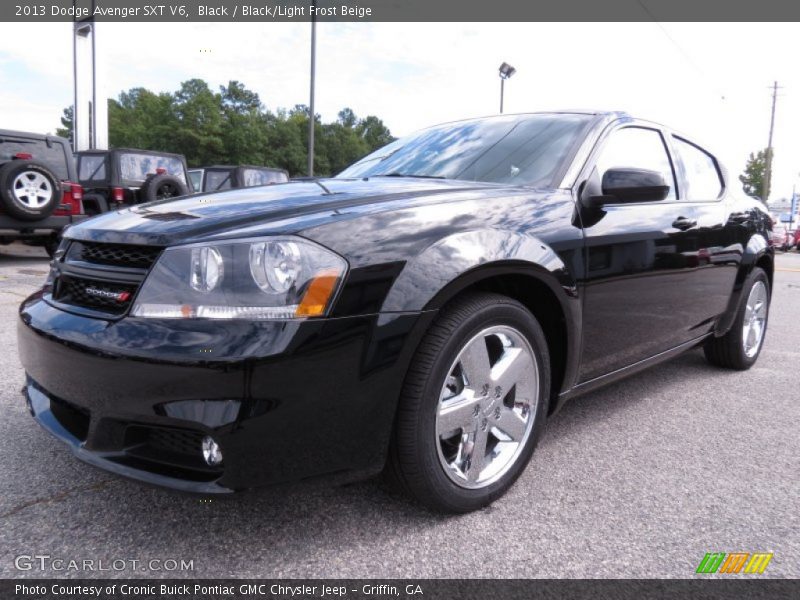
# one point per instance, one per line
(29, 191)
(740, 347)
(162, 187)
(473, 404)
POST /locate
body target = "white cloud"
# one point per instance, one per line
(709, 80)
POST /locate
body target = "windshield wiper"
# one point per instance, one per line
(396, 174)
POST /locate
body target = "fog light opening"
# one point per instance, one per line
(212, 453)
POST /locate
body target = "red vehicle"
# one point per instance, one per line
(38, 193)
(781, 238)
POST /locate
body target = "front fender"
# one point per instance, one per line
(426, 276)
(756, 252)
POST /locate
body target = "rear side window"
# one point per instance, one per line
(638, 148)
(54, 157)
(703, 181)
(136, 167)
(92, 167)
(253, 177)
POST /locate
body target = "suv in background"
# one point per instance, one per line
(126, 176)
(38, 193)
(218, 178)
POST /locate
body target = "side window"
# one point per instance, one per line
(639, 148)
(703, 181)
(217, 180)
(92, 167)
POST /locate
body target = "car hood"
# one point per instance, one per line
(283, 208)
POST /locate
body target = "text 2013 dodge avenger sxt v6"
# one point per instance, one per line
(422, 313)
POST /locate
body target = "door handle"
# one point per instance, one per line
(684, 223)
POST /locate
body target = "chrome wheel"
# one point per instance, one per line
(486, 407)
(755, 319)
(32, 189)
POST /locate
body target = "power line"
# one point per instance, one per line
(702, 72)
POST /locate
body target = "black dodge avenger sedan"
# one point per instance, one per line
(421, 314)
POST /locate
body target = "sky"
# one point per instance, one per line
(709, 80)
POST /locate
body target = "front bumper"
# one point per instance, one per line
(285, 400)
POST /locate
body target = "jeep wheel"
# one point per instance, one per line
(29, 191)
(162, 187)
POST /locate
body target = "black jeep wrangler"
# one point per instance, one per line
(125, 176)
(38, 193)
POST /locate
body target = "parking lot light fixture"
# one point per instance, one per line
(505, 71)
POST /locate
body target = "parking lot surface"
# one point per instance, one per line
(640, 479)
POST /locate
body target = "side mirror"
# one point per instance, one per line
(628, 185)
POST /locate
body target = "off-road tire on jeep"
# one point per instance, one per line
(161, 187)
(29, 191)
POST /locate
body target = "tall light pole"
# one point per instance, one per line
(768, 168)
(311, 101)
(505, 71)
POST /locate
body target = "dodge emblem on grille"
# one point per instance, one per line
(118, 296)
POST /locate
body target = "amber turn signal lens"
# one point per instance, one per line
(318, 294)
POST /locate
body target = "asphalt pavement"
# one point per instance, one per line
(638, 480)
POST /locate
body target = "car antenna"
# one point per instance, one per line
(320, 184)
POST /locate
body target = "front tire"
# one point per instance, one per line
(739, 348)
(473, 404)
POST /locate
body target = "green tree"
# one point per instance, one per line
(141, 119)
(199, 131)
(244, 128)
(753, 178)
(374, 132)
(232, 126)
(67, 119)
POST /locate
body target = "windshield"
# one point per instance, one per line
(515, 149)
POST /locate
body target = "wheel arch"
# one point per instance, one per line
(542, 295)
(757, 253)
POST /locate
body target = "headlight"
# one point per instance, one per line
(269, 278)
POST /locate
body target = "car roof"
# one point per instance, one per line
(136, 150)
(28, 134)
(579, 111)
(243, 167)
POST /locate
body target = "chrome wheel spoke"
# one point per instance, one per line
(476, 459)
(458, 413)
(513, 366)
(512, 424)
(475, 363)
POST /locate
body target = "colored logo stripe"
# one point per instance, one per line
(714, 562)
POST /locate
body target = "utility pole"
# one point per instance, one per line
(768, 169)
(311, 118)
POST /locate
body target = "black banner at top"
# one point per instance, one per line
(400, 10)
